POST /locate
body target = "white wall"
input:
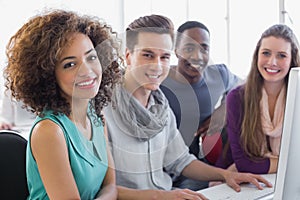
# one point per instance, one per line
(235, 27)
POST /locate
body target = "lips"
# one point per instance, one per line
(195, 66)
(272, 70)
(153, 76)
(86, 83)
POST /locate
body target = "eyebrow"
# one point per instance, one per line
(196, 44)
(147, 50)
(266, 49)
(189, 44)
(150, 51)
(72, 57)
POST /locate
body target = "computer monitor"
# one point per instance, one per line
(287, 180)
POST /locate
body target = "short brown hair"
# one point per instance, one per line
(150, 23)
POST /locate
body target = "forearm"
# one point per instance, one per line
(201, 171)
(218, 118)
(273, 165)
(133, 194)
(108, 192)
(109, 188)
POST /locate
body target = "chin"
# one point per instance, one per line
(192, 72)
(152, 87)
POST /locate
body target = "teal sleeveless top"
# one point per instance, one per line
(88, 158)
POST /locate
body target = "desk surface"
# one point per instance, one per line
(248, 191)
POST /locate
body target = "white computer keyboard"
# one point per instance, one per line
(248, 191)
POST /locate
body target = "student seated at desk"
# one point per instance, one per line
(196, 93)
(63, 66)
(146, 144)
(255, 110)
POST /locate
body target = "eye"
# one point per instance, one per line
(266, 53)
(92, 57)
(281, 55)
(204, 49)
(165, 58)
(147, 55)
(69, 65)
(188, 49)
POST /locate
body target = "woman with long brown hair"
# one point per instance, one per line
(255, 110)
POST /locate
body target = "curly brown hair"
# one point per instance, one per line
(33, 54)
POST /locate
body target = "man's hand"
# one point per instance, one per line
(182, 194)
(234, 179)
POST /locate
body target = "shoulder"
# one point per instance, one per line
(107, 112)
(47, 139)
(220, 67)
(46, 134)
(45, 129)
(171, 119)
(236, 94)
(217, 70)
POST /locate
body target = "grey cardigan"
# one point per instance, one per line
(146, 164)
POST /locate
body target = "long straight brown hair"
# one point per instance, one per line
(252, 137)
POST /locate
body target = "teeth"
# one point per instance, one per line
(194, 65)
(153, 76)
(197, 66)
(272, 70)
(85, 83)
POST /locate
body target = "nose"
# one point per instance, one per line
(197, 55)
(84, 69)
(157, 64)
(272, 61)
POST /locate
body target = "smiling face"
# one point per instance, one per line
(193, 53)
(148, 64)
(274, 59)
(78, 72)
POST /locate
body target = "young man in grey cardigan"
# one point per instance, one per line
(146, 145)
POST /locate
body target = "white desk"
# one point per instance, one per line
(248, 191)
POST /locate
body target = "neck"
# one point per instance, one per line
(273, 89)
(79, 110)
(136, 90)
(141, 94)
(79, 117)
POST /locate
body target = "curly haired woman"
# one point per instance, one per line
(63, 66)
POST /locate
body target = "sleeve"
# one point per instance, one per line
(177, 155)
(234, 121)
(230, 80)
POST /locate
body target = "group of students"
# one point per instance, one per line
(105, 131)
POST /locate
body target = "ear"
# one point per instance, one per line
(176, 52)
(128, 56)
